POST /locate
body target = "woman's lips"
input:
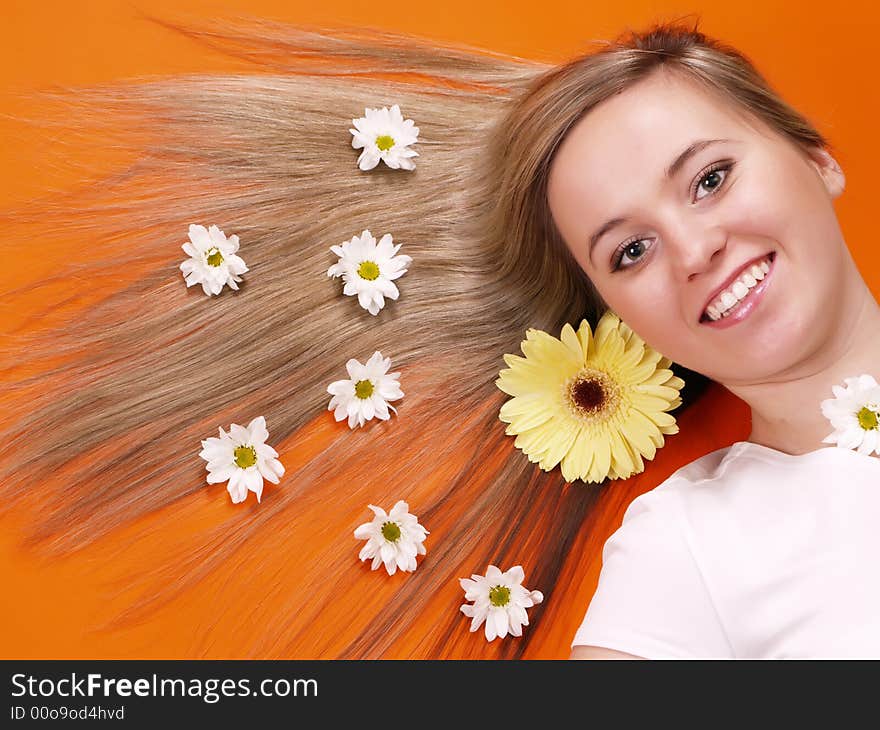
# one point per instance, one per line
(746, 305)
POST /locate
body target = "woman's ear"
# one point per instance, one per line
(829, 170)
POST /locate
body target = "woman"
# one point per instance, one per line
(513, 146)
(758, 549)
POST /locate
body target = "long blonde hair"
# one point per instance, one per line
(149, 371)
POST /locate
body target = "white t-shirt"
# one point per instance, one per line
(750, 553)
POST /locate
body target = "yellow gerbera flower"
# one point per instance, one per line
(597, 403)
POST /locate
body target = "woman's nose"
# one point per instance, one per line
(696, 248)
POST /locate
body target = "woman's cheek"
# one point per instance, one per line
(651, 306)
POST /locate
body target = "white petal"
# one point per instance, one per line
(850, 439)
(365, 299)
(490, 628)
(199, 236)
(869, 442)
(239, 434)
(499, 615)
(399, 509)
(237, 487)
(515, 574)
(257, 429)
(493, 574)
(253, 479)
(354, 369)
(221, 475)
(368, 159)
(350, 289)
(266, 469)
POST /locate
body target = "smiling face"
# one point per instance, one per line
(734, 265)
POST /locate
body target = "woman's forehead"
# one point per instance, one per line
(642, 130)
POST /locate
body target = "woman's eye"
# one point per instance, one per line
(630, 253)
(713, 178)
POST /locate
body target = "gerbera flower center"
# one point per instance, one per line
(245, 456)
(384, 142)
(592, 393)
(867, 418)
(391, 531)
(499, 595)
(214, 257)
(368, 270)
(363, 388)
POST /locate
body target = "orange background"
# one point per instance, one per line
(822, 63)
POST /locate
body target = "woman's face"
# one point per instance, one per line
(734, 264)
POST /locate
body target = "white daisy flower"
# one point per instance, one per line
(500, 600)
(393, 539)
(854, 413)
(243, 457)
(213, 261)
(385, 135)
(366, 393)
(368, 269)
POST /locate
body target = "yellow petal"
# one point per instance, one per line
(540, 440)
(525, 413)
(639, 372)
(663, 420)
(602, 459)
(641, 432)
(585, 336)
(650, 355)
(560, 446)
(621, 459)
(530, 379)
(660, 391)
(609, 322)
(541, 342)
(576, 464)
(648, 403)
(660, 377)
(571, 341)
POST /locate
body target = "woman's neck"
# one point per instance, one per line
(786, 414)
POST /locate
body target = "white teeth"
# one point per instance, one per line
(728, 299)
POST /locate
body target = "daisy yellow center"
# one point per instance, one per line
(368, 270)
(391, 531)
(245, 456)
(214, 257)
(592, 394)
(499, 596)
(363, 389)
(384, 142)
(867, 419)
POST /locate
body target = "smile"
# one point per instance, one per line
(738, 298)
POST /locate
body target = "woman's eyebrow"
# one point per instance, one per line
(671, 172)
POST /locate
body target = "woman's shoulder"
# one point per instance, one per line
(710, 468)
(739, 474)
(718, 471)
